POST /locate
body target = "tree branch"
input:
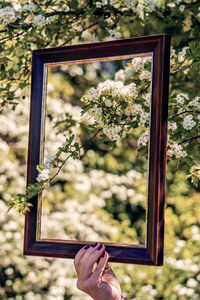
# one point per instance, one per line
(184, 112)
(77, 150)
(185, 67)
(190, 139)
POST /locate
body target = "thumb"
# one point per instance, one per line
(97, 274)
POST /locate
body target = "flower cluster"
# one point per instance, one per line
(195, 102)
(143, 139)
(142, 8)
(139, 65)
(8, 15)
(180, 98)
(112, 132)
(113, 89)
(39, 21)
(43, 175)
(106, 103)
(176, 150)
(145, 75)
(188, 122)
(172, 126)
(29, 6)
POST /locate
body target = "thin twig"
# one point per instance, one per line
(184, 112)
(77, 150)
(185, 67)
(190, 139)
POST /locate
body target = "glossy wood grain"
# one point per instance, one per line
(159, 45)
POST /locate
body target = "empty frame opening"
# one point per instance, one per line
(101, 194)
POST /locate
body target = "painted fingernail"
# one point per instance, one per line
(100, 247)
(103, 254)
(95, 245)
(86, 247)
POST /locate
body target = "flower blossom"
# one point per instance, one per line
(39, 21)
(44, 175)
(180, 98)
(96, 113)
(195, 102)
(139, 62)
(7, 15)
(112, 132)
(117, 88)
(176, 150)
(145, 75)
(172, 126)
(120, 75)
(182, 54)
(29, 6)
(181, 8)
(188, 122)
(143, 139)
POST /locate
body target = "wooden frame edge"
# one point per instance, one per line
(154, 249)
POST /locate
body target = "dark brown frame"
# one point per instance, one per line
(159, 45)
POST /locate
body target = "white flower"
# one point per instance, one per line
(112, 132)
(93, 93)
(176, 150)
(44, 175)
(114, 33)
(39, 21)
(145, 75)
(181, 55)
(180, 98)
(144, 117)
(115, 88)
(133, 109)
(147, 97)
(195, 102)
(98, 4)
(120, 76)
(180, 243)
(181, 8)
(143, 139)
(172, 126)
(7, 15)
(188, 122)
(191, 282)
(130, 3)
(29, 6)
(138, 63)
(171, 5)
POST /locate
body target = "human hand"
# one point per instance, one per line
(100, 283)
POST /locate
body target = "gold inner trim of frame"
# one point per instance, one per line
(89, 60)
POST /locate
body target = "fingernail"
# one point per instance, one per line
(103, 254)
(86, 247)
(95, 245)
(100, 247)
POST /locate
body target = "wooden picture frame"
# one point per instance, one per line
(159, 45)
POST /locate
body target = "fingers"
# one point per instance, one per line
(87, 256)
(80, 254)
(97, 274)
(93, 254)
